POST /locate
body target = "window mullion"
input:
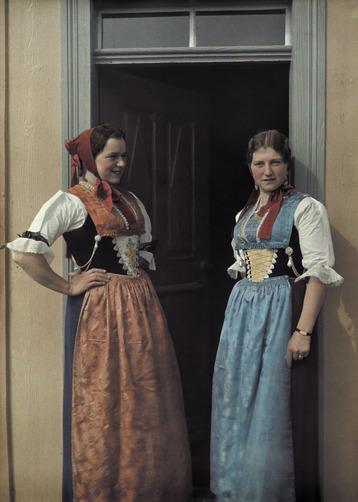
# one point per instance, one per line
(192, 28)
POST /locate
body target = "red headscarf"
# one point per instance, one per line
(272, 207)
(82, 158)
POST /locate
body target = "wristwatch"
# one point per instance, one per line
(303, 333)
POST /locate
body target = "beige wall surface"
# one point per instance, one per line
(30, 173)
(4, 471)
(31, 167)
(341, 312)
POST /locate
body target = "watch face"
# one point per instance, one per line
(304, 333)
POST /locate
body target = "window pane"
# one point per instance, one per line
(144, 31)
(240, 28)
(141, 4)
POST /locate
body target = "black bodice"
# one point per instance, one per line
(281, 267)
(80, 243)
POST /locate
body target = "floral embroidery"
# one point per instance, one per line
(128, 253)
(131, 257)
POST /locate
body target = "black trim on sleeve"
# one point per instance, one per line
(36, 236)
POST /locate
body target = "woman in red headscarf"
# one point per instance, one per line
(264, 439)
(124, 436)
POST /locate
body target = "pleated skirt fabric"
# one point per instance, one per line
(128, 430)
(251, 442)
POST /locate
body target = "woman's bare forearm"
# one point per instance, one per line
(36, 266)
(299, 345)
(312, 304)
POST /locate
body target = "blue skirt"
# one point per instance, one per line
(251, 442)
(73, 310)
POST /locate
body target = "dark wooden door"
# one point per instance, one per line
(167, 145)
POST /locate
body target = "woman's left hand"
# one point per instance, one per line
(298, 347)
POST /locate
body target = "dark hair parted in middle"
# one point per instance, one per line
(101, 134)
(270, 139)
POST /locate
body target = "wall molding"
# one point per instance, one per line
(193, 55)
(307, 132)
(76, 73)
(76, 86)
(307, 95)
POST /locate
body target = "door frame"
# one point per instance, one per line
(305, 50)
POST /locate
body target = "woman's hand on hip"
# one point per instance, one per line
(298, 348)
(36, 266)
(82, 281)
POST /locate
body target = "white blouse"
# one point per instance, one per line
(65, 212)
(311, 221)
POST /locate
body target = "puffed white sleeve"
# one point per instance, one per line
(62, 213)
(239, 265)
(146, 238)
(311, 221)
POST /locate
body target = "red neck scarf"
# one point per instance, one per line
(82, 158)
(272, 207)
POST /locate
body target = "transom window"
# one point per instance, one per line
(196, 24)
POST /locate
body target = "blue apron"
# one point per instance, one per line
(251, 440)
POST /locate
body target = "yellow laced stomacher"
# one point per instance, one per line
(260, 263)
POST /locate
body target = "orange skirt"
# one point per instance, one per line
(129, 435)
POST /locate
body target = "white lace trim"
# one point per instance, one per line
(149, 257)
(127, 252)
(235, 269)
(324, 273)
(24, 245)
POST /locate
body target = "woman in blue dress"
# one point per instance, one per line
(283, 250)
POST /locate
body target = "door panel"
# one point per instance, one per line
(181, 187)
(139, 172)
(167, 142)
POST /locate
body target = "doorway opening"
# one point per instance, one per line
(240, 100)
